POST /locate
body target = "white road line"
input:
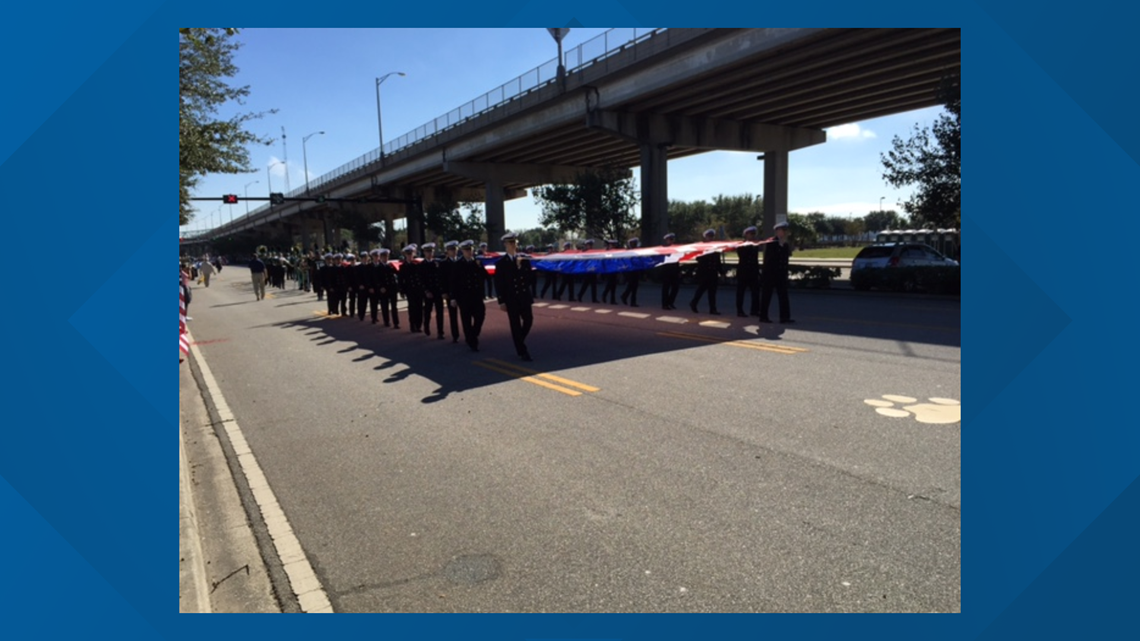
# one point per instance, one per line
(304, 582)
(716, 324)
(541, 304)
(603, 311)
(579, 309)
(203, 594)
(673, 319)
(633, 314)
(559, 306)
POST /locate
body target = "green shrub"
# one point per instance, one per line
(814, 277)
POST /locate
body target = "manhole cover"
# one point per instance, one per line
(472, 568)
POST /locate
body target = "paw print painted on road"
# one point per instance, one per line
(938, 411)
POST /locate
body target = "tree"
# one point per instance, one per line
(932, 161)
(444, 218)
(880, 220)
(801, 230)
(736, 213)
(599, 204)
(207, 144)
(688, 220)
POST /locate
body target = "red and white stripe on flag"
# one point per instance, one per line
(183, 343)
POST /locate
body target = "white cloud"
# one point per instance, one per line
(852, 130)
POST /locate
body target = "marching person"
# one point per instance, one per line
(748, 274)
(431, 274)
(467, 292)
(590, 279)
(512, 281)
(709, 268)
(567, 278)
(670, 277)
(609, 292)
(774, 276)
(448, 266)
(386, 288)
(632, 279)
(412, 288)
(207, 269)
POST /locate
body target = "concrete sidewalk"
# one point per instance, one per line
(221, 567)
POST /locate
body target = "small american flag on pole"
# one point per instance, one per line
(183, 343)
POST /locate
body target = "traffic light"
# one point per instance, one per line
(277, 198)
(230, 199)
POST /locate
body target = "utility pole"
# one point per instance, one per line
(285, 153)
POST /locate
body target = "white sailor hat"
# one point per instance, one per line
(428, 247)
(327, 256)
(751, 230)
(509, 236)
(375, 252)
(669, 236)
(589, 241)
(567, 245)
(782, 224)
(709, 232)
(350, 256)
(634, 242)
(482, 244)
(383, 251)
(410, 249)
(338, 255)
(451, 243)
(467, 244)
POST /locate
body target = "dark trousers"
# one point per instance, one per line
(706, 284)
(472, 312)
(591, 281)
(609, 294)
(436, 303)
(781, 288)
(566, 284)
(752, 286)
(453, 320)
(333, 301)
(415, 310)
(520, 317)
(670, 286)
(632, 282)
(549, 281)
(388, 301)
(373, 306)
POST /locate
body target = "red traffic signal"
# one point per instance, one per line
(230, 199)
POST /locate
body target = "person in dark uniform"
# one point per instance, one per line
(709, 268)
(387, 288)
(467, 292)
(318, 264)
(774, 276)
(371, 280)
(632, 279)
(512, 281)
(748, 274)
(328, 283)
(448, 265)
(549, 278)
(589, 279)
(490, 281)
(335, 284)
(609, 292)
(412, 288)
(567, 278)
(356, 291)
(670, 277)
(343, 282)
(431, 275)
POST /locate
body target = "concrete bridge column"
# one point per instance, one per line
(496, 215)
(415, 219)
(654, 193)
(775, 189)
(390, 234)
(326, 229)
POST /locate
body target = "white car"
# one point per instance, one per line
(900, 255)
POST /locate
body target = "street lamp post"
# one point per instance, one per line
(269, 177)
(247, 198)
(881, 204)
(379, 122)
(305, 155)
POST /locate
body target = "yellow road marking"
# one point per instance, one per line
(529, 379)
(764, 347)
(552, 377)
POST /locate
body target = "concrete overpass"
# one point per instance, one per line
(665, 94)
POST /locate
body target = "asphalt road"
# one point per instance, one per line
(637, 465)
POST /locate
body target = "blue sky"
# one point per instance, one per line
(324, 80)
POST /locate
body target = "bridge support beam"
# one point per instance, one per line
(504, 173)
(654, 194)
(414, 214)
(496, 215)
(704, 133)
(775, 190)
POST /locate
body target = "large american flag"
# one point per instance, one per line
(183, 343)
